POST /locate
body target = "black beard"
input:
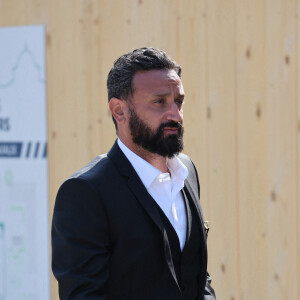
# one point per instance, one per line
(156, 142)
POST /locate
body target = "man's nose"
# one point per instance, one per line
(175, 113)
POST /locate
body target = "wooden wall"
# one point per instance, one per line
(241, 72)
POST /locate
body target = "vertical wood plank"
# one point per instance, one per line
(281, 146)
(221, 147)
(297, 57)
(251, 146)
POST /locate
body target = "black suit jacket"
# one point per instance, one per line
(108, 240)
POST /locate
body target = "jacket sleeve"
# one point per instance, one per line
(209, 293)
(80, 242)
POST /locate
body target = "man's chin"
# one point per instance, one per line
(172, 149)
(170, 136)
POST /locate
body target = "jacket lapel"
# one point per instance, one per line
(135, 184)
(188, 216)
(142, 195)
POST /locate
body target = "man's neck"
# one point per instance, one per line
(156, 160)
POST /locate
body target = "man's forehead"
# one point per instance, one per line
(161, 80)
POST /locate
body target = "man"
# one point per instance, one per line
(129, 224)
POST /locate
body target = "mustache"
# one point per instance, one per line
(171, 124)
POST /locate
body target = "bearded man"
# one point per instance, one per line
(128, 226)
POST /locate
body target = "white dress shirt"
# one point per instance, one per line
(164, 189)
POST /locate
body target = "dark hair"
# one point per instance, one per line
(120, 77)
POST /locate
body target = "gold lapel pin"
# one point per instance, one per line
(206, 226)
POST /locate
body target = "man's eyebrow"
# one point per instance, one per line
(180, 96)
(163, 94)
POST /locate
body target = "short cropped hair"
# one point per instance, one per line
(120, 77)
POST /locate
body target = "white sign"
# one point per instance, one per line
(24, 246)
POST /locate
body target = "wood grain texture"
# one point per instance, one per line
(241, 73)
(297, 137)
(221, 147)
(251, 146)
(281, 146)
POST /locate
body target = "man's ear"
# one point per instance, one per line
(118, 107)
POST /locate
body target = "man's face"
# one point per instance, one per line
(156, 113)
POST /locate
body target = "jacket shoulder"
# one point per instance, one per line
(92, 173)
(89, 167)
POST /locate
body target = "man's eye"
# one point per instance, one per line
(179, 101)
(159, 101)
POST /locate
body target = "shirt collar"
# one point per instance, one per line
(178, 170)
(148, 173)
